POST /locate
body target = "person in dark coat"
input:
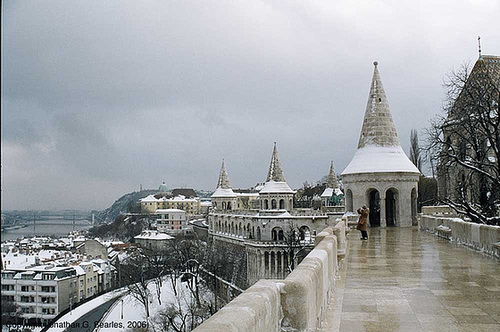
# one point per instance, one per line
(363, 222)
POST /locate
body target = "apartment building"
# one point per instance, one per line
(40, 292)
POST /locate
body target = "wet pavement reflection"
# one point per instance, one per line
(403, 279)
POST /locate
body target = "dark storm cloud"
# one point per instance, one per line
(101, 96)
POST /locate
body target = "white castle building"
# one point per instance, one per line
(263, 232)
(380, 175)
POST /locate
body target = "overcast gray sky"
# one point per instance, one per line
(101, 96)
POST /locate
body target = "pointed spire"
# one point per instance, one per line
(332, 178)
(378, 128)
(223, 178)
(275, 171)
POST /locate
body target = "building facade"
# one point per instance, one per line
(172, 221)
(273, 235)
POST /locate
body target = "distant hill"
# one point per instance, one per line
(127, 203)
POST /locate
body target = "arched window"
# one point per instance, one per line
(273, 204)
(266, 204)
(258, 233)
(348, 200)
(282, 204)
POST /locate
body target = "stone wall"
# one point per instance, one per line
(298, 303)
(481, 237)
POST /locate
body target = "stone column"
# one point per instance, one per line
(383, 221)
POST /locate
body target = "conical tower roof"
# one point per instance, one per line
(379, 150)
(275, 172)
(275, 182)
(223, 185)
(378, 127)
(223, 177)
(332, 177)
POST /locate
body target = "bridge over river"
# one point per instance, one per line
(403, 279)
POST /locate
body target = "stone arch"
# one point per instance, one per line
(266, 204)
(349, 204)
(229, 205)
(277, 234)
(259, 236)
(249, 234)
(414, 206)
(273, 263)
(280, 265)
(373, 203)
(282, 204)
(392, 207)
(274, 204)
(266, 263)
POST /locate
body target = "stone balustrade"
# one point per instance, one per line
(438, 210)
(297, 303)
(481, 237)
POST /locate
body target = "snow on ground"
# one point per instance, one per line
(78, 312)
(129, 312)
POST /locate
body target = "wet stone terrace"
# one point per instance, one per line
(403, 279)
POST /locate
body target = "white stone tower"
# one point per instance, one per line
(380, 175)
(224, 198)
(332, 186)
(276, 194)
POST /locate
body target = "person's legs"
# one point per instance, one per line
(364, 234)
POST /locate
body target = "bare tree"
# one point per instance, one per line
(136, 276)
(465, 142)
(297, 242)
(415, 157)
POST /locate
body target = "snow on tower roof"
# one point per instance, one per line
(223, 185)
(275, 182)
(378, 148)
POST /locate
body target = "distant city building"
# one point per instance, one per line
(171, 221)
(153, 240)
(44, 282)
(180, 198)
(380, 175)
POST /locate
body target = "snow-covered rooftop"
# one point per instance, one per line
(328, 192)
(224, 192)
(169, 211)
(380, 159)
(271, 187)
(153, 235)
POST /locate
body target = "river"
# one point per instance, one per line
(49, 227)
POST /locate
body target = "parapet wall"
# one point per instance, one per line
(481, 237)
(297, 303)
